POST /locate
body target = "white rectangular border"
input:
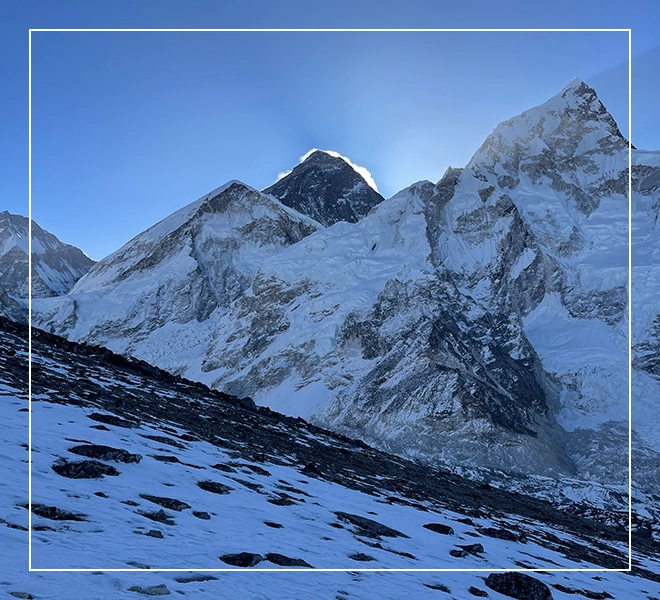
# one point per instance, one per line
(626, 570)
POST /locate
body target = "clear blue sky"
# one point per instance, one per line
(128, 127)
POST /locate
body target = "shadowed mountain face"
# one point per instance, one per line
(326, 188)
(478, 322)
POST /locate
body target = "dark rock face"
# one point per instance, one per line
(327, 189)
(518, 585)
(84, 469)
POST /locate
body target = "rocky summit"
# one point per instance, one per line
(327, 188)
(478, 323)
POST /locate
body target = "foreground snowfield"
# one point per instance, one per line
(271, 506)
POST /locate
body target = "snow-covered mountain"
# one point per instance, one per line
(477, 322)
(56, 266)
(161, 479)
(326, 187)
(189, 266)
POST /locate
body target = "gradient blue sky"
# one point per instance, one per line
(128, 127)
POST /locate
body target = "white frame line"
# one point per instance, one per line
(339, 30)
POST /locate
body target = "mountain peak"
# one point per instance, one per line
(559, 126)
(327, 187)
(320, 156)
(575, 85)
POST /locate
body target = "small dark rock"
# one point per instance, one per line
(369, 527)
(285, 561)
(439, 528)
(113, 420)
(406, 554)
(502, 534)
(273, 525)
(100, 494)
(311, 470)
(438, 586)
(24, 595)
(100, 427)
(160, 516)
(518, 585)
(164, 440)
(84, 469)
(223, 467)
(56, 514)
(105, 453)
(155, 533)
(200, 514)
(458, 553)
(214, 487)
(195, 578)
(171, 503)
(596, 595)
(165, 458)
(361, 557)
(281, 500)
(242, 559)
(130, 502)
(256, 469)
(474, 549)
(475, 591)
(249, 484)
(154, 590)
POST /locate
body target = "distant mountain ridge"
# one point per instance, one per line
(56, 266)
(476, 322)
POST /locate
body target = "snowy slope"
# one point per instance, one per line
(56, 266)
(129, 474)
